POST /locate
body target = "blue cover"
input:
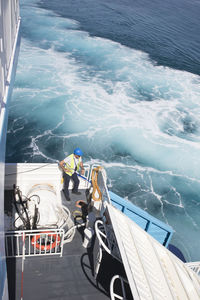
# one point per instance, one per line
(159, 230)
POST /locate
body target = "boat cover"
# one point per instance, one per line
(152, 270)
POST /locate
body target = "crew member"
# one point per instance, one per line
(70, 165)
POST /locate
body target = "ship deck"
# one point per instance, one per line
(67, 277)
(151, 270)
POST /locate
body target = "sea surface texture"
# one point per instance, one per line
(120, 80)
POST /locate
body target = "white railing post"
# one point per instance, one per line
(23, 258)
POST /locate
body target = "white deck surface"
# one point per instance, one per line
(152, 270)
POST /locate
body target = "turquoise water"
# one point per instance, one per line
(120, 81)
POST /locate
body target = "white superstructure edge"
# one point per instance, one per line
(9, 49)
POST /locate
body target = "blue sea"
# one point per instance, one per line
(120, 80)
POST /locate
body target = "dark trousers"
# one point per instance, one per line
(67, 179)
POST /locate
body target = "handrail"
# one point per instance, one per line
(113, 294)
(108, 236)
(99, 234)
(98, 262)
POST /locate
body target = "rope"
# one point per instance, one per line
(95, 172)
(69, 235)
(28, 170)
(77, 214)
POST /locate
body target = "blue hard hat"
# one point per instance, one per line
(78, 151)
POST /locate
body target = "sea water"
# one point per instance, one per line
(120, 80)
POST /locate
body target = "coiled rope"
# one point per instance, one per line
(95, 173)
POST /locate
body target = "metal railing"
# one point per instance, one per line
(27, 243)
(123, 283)
(107, 239)
(195, 266)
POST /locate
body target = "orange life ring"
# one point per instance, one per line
(54, 240)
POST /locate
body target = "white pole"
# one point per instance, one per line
(23, 258)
